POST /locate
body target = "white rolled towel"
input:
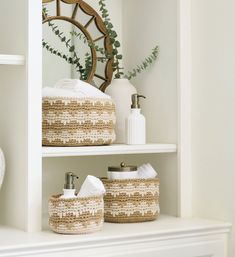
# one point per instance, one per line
(92, 186)
(73, 88)
(80, 88)
(59, 92)
(146, 171)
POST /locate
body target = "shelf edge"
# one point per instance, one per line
(48, 152)
(12, 59)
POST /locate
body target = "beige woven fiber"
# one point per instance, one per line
(77, 121)
(131, 200)
(76, 215)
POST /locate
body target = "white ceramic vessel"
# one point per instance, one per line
(2, 167)
(122, 175)
(122, 172)
(121, 91)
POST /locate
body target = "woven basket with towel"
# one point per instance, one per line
(76, 215)
(80, 213)
(76, 114)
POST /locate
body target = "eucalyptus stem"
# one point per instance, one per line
(144, 64)
(74, 59)
(113, 39)
(105, 55)
(101, 50)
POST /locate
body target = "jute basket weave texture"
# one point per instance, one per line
(76, 215)
(77, 121)
(131, 200)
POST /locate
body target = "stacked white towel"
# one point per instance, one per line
(73, 88)
(92, 186)
(146, 171)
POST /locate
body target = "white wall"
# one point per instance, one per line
(14, 145)
(213, 110)
(145, 25)
(20, 87)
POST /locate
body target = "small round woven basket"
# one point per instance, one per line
(76, 215)
(77, 121)
(131, 200)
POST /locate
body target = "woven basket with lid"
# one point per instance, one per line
(131, 200)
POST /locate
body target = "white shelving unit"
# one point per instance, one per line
(108, 150)
(114, 239)
(12, 59)
(21, 199)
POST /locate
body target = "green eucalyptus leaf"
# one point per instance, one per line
(72, 48)
(117, 44)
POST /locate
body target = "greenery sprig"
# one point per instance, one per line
(115, 55)
(113, 40)
(116, 44)
(73, 59)
(144, 65)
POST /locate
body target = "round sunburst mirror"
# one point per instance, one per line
(75, 35)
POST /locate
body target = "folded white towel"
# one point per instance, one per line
(92, 186)
(146, 171)
(73, 88)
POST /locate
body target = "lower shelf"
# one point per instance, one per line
(166, 228)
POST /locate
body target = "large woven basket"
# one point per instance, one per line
(77, 121)
(131, 200)
(76, 215)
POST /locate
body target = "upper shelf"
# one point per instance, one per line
(107, 150)
(12, 59)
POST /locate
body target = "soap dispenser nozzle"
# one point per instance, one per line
(69, 180)
(135, 101)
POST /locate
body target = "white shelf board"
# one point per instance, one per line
(12, 59)
(107, 150)
(15, 242)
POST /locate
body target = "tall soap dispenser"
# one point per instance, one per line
(69, 187)
(135, 123)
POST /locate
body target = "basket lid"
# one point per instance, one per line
(122, 167)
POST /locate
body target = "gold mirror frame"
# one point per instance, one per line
(94, 17)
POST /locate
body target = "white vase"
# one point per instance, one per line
(121, 91)
(2, 167)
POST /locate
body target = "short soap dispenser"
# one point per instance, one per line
(135, 123)
(69, 187)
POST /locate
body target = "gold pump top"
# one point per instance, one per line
(69, 180)
(135, 101)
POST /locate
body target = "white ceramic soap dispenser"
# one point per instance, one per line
(69, 187)
(135, 123)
